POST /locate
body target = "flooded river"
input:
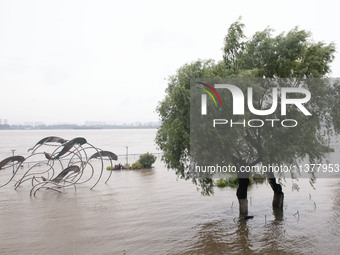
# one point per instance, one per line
(151, 212)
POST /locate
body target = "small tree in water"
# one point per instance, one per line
(288, 55)
(147, 159)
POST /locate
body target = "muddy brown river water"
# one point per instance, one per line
(151, 212)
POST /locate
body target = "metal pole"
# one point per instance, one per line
(13, 155)
(127, 155)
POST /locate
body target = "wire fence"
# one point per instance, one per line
(128, 158)
(122, 158)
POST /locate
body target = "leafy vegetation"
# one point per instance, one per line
(136, 165)
(233, 181)
(227, 182)
(146, 160)
(288, 55)
(116, 167)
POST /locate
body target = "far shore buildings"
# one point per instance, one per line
(5, 122)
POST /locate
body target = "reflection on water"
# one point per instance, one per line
(241, 236)
(334, 221)
(149, 211)
(146, 211)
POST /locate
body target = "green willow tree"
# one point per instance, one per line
(288, 55)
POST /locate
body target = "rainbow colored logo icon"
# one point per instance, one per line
(209, 93)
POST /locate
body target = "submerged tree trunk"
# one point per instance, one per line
(241, 194)
(278, 194)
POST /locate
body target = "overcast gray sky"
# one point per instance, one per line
(77, 60)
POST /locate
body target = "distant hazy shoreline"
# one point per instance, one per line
(73, 126)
